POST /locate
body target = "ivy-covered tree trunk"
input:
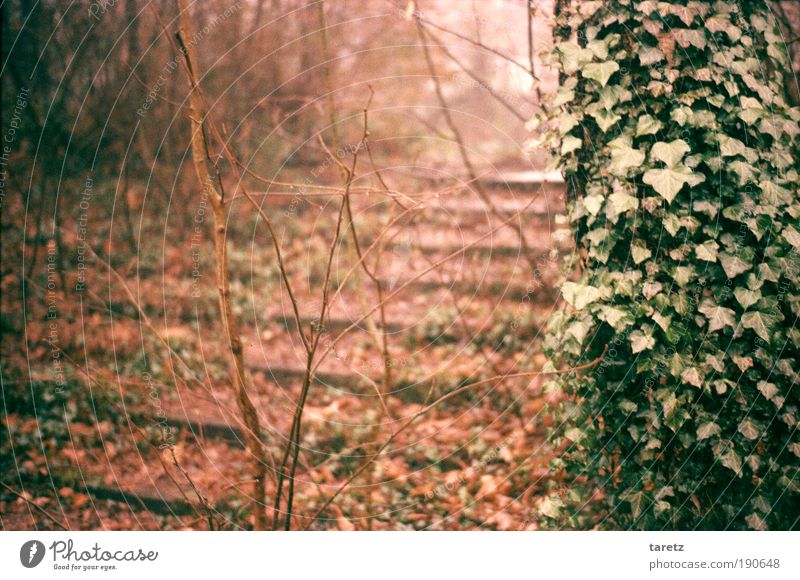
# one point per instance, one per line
(680, 151)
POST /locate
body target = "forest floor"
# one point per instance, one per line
(110, 433)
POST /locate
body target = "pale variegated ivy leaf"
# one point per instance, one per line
(748, 430)
(650, 289)
(707, 430)
(669, 181)
(792, 236)
(650, 55)
(686, 37)
(570, 144)
(670, 153)
(682, 115)
(758, 322)
(574, 434)
(771, 128)
(661, 320)
(756, 522)
(551, 506)
(647, 125)
(617, 318)
(672, 224)
(579, 296)
(733, 264)
(566, 123)
(605, 119)
(641, 341)
(621, 202)
(600, 71)
(623, 157)
(730, 147)
(593, 203)
(769, 390)
(580, 329)
(750, 116)
(589, 7)
(746, 297)
(647, 6)
(732, 461)
(707, 251)
(613, 94)
(572, 56)
(686, 13)
(743, 362)
(563, 96)
(719, 317)
(683, 275)
(640, 253)
(692, 376)
(599, 48)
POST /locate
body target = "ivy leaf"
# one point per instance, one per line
(615, 317)
(600, 71)
(686, 37)
(692, 376)
(707, 430)
(623, 157)
(605, 119)
(641, 341)
(748, 430)
(621, 202)
(640, 253)
(718, 316)
(650, 55)
(669, 181)
(647, 125)
(670, 153)
(551, 506)
(593, 203)
(757, 322)
(707, 251)
(580, 296)
(769, 390)
(733, 264)
(732, 461)
(572, 56)
(792, 236)
(746, 297)
(730, 147)
(570, 144)
(756, 522)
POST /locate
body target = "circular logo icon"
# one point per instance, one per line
(31, 553)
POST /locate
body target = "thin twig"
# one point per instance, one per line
(35, 505)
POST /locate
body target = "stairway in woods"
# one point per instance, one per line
(480, 314)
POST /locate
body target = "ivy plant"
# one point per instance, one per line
(681, 159)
